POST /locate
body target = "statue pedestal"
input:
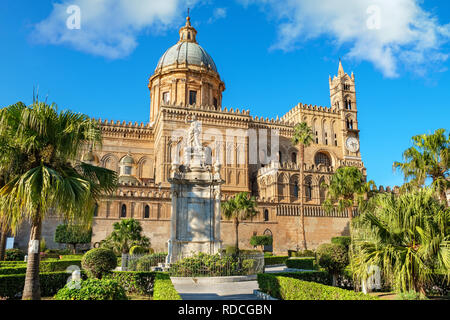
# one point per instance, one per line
(196, 213)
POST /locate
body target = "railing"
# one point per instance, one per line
(312, 211)
(199, 265)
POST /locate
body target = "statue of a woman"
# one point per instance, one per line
(194, 132)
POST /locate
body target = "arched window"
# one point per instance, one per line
(349, 124)
(322, 190)
(123, 211)
(294, 157)
(147, 212)
(296, 189)
(348, 104)
(280, 156)
(96, 210)
(308, 188)
(322, 158)
(266, 215)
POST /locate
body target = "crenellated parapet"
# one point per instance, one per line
(121, 128)
(292, 115)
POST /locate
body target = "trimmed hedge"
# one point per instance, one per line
(304, 253)
(322, 277)
(163, 288)
(44, 266)
(342, 240)
(287, 288)
(11, 286)
(14, 255)
(71, 257)
(306, 263)
(273, 260)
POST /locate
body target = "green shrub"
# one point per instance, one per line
(42, 245)
(274, 260)
(98, 262)
(92, 289)
(343, 241)
(134, 282)
(11, 286)
(411, 295)
(231, 250)
(138, 250)
(164, 289)
(14, 255)
(332, 257)
(304, 253)
(306, 263)
(287, 288)
(146, 262)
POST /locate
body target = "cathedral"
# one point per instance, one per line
(256, 155)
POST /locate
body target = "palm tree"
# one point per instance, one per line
(407, 236)
(428, 158)
(348, 187)
(239, 208)
(303, 137)
(50, 142)
(125, 234)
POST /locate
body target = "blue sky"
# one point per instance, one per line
(271, 55)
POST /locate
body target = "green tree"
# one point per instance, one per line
(73, 234)
(239, 208)
(49, 143)
(428, 158)
(407, 236)
(126, 234)
(302, 137)
(261, 241)
(348, 187)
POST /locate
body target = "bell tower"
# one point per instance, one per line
(343, 99)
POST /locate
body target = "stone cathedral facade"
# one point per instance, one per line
(186, 83)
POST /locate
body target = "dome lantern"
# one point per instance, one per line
(188, 33)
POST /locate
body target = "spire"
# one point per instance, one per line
(341, 69)
(188, 33)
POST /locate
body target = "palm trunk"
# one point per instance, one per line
(32, 290)
(302, 211)
(3, 236)
(236, 230)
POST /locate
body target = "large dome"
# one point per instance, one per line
(187, 53)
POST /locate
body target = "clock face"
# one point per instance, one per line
(352, 144)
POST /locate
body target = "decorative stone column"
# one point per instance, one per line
(196, 195)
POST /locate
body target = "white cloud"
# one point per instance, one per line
(387, 33)
(109, 28)
(218, 13)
